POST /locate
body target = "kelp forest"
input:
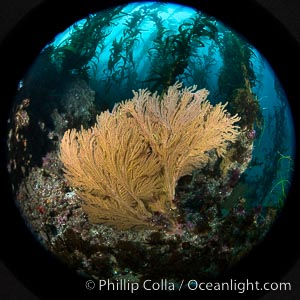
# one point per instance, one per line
(209, 130)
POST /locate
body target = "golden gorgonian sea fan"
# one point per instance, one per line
(126, 167)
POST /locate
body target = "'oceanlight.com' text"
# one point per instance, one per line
(191, 285)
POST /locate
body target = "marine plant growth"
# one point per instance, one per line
(237, 79)
(172, 50)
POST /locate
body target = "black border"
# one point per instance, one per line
(43, 274)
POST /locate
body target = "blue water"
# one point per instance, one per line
(273, 146)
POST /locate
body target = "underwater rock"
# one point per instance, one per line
(18, 141)
(78, 104)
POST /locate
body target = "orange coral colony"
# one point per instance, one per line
(126, 167)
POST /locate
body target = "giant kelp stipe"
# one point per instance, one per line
(218, 211)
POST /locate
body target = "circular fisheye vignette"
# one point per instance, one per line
(167, 223)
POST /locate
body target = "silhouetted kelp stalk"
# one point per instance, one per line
(121, 65)
(171, 50)
(76, 52)
(236, 80)
(200, 67)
